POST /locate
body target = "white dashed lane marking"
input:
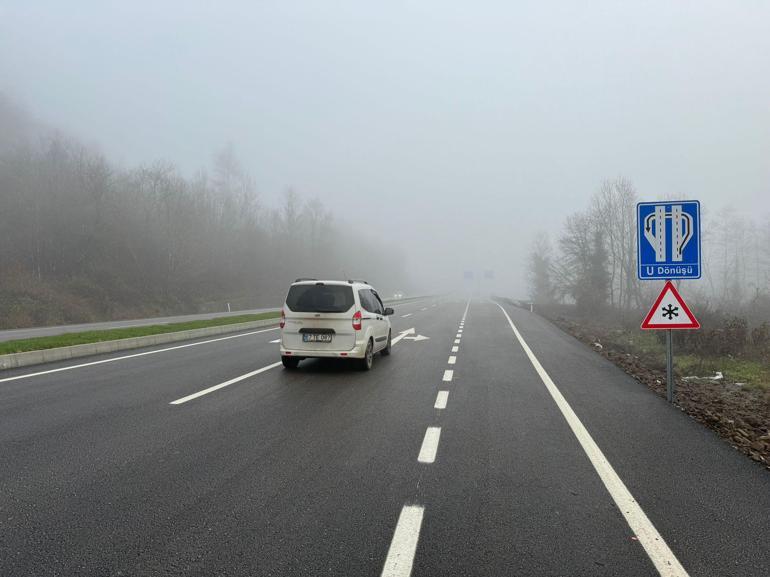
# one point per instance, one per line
(404, 544)
(429, 445)
(403, 547)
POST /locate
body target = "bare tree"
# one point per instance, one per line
(613, 207)
(81, 239)
(542, 290)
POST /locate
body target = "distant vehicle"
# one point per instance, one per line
(398, 295)
(334, 319)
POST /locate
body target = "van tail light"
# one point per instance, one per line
(357, 321)
(283, 319)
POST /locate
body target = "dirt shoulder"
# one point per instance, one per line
(739, 414)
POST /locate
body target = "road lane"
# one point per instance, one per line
(247, 477)
(511, 492)
(310, 471)
(32, 372)
(645, 532)
(67, 366)
(707, 500)
(54, 402)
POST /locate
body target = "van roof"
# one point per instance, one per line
(330, 281)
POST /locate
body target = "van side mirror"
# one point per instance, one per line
(388, 311)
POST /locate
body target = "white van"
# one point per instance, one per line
(332, 318)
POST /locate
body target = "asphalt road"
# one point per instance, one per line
(545, 460)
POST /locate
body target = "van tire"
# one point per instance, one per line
(366, 362)
(290, 362)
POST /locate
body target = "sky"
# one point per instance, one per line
(453, 131)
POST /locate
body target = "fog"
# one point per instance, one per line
(452, 133)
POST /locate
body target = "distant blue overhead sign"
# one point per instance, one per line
(668, 240)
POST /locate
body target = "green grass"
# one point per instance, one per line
(649, 347)
(69, 339)
(642, 343)
(753, 373)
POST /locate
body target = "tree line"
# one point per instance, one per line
(84, 239)
(592, 262)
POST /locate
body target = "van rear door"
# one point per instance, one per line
(319, 317)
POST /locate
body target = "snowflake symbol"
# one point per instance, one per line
(670, 312)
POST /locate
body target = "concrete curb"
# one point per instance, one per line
(15, 360)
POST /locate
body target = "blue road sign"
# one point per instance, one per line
(668, 240)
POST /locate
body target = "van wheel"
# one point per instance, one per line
(366, 362)
(386, 350)
(290, 362)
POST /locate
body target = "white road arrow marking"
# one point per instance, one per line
(401, 335)
(409, 334)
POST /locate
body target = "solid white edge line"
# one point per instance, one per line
(452, 360)
(225, 384)
(429, 446)
(448, 374)
(441, 400)
(404, 544)
(112, 360)
(658, 551)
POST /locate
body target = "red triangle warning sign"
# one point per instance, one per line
(670, 311)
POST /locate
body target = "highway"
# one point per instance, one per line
(497, 446)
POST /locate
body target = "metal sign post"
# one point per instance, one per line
(669, 366)
(670, 312)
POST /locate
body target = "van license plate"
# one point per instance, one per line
(316, 338)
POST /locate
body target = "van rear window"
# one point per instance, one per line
(311, 298)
